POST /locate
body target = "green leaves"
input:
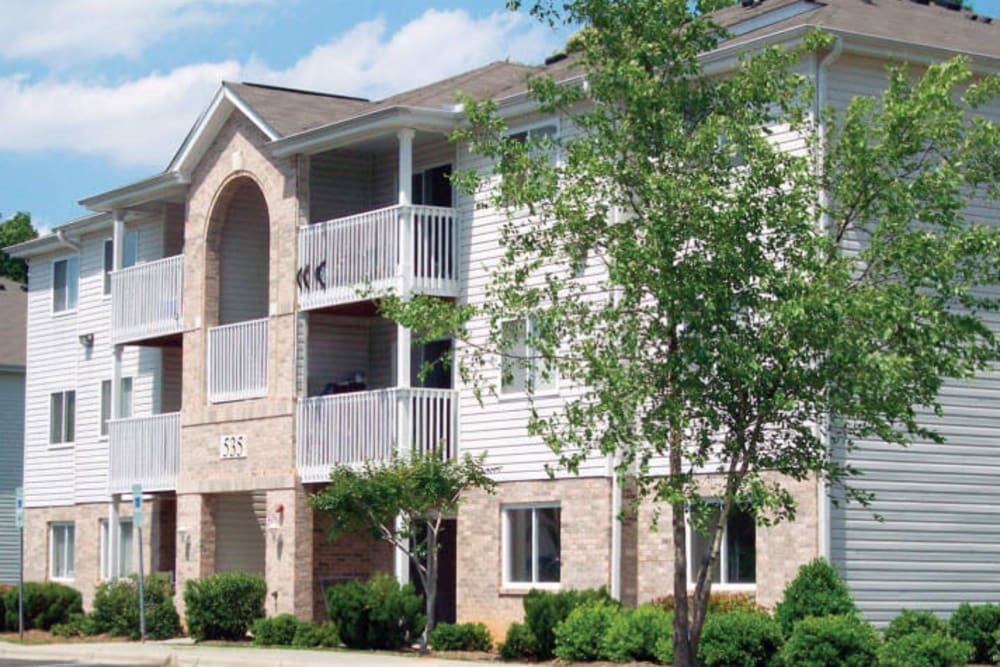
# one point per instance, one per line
(15, 229)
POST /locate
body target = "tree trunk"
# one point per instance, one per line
(430, 584)
(683, 650)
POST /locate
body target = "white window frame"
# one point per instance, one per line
(131, 242)
(105, 564)
(723, 585)
(532, 373)
(66, 309)
(506, 544)
(64, 421)
(527, 128)
(68, 547)
(124, 409)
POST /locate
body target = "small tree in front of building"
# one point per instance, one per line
(403, 502)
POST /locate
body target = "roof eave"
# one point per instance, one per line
(365, 126)
(52, 242)
(161, 186)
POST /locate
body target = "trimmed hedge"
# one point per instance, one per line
(633, 633)
(277, 630)
(312, 635)
(544, 610)
(460, 637)
(223, 606)
(975, 625)
(580, 637)
(116, 608)
(718, 603)
(831, 641)
(739, 639)
(519, 643)
(379, 614)
(45, 604)
(816, 591)
(920, 649)
(909, 622)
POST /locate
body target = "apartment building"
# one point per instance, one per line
(203, 333)
(13, 320)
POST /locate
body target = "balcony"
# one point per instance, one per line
(364, 426)
(237, 361)
(339, 259)
(144, 450)
(146, 300)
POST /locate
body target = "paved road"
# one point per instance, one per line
(11, 662)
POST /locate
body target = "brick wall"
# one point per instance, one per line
(585, 545)
(781, 549)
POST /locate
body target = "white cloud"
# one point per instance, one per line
(142, 122)
(63, 32)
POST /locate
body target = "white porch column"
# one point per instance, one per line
(114, 528)
(403, 431)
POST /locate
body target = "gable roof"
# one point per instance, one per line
(289, 111)
(903, 21)
(13, 323)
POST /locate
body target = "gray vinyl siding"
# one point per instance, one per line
(11, 462)
(340, 346)
(339, 185)
(938, 544)
(239, 534)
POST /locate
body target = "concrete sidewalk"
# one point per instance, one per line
(188, 655)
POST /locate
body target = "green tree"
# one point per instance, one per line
(741, 306)
(16, 229)
(403, 502)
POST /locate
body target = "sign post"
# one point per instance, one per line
(137, 522)
(19, 523)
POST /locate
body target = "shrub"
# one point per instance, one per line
(718, 603)
(313, 635)
(831, 641)
(544, 610)
(739, 639)
(909, 622)
(275, 631)
(45, 604)
(519, 643)
(580, 637)
(223, 606)
(633, 634)
(975, 625)
(78, 625)
(924, 649)
(460, 637)
(379, 614)
(663, 650)
(116, 608)
(816, 591)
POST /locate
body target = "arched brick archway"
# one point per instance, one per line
(238, 246)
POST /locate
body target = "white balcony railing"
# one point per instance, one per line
(340, 258)
(237, 361)
(146, 300)
(364, 426)
(144, 450)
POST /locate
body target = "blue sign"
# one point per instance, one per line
(137, 496)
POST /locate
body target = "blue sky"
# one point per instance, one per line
(97, 93)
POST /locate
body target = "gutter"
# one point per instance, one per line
(64, 240)
(139, 192)
(822, 66)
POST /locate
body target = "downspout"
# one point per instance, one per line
(62, 238)
(616, 530)
(823, 502)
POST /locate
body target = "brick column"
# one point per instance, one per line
(289, 554)
(195, 541)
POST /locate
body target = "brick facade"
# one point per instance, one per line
(585, 535)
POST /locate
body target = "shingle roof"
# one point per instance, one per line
(901, 20)
(483, 82)
(13, 322)
(290, 111)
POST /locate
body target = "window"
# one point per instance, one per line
(62, 417)
(65, 284)
(124, 565)
(124, 404)
(130, 254)
(531, 537)
(61, 542)
(522, 369)
(538, 133)
(737, 561)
